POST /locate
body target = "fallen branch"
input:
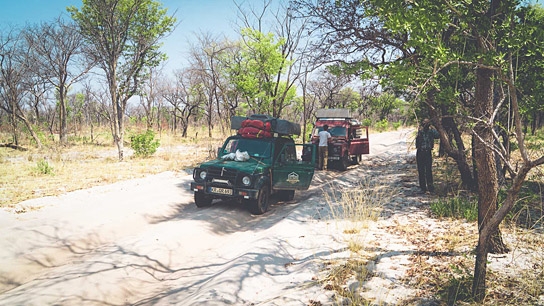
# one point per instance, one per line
(13, 146)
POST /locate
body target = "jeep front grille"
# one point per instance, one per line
(221, 174)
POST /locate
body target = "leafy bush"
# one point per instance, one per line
(456, 207)
(397, 125)
(382, 125)
(43, 167)
(367, 122)
(144, 145)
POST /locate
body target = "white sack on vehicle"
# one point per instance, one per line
(238, 156)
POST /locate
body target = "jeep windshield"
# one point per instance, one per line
(254, 147)
(334, 130)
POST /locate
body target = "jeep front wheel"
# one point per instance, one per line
(260, 205)
(202, 200)
(344, 162)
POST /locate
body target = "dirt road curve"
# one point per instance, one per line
(143, 242)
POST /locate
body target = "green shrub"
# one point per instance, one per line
(144, 145)
(43, 167)
(366, 122)
(397, 125)
(456, 207)
(382, 125)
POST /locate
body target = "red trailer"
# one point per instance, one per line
(349, 137)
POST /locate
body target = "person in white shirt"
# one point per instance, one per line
(323, 151)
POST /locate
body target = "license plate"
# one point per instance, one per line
(221, 190)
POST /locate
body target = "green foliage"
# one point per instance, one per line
(457, 290)
(43, 167)
(457, 207)
(254, 72)
(144, 144)
(397, 125)
(535, 142)
(129, 45)
(382, 125)
(384, 104)
(366, 122)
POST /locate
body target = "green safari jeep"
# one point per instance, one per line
(252, 169)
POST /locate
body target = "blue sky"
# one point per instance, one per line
(194, 16)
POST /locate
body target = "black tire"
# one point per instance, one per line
(260, 205)
(355, 160)
(202, 200)
(286, 195)
(344, 162)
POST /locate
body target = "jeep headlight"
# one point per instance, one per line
(199, 175)
(246, 180)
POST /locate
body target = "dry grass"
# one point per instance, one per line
(360, 205)
(442, 267)
(345, 279)
(353, 210)
(56, 169)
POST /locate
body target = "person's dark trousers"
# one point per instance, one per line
(424, 169)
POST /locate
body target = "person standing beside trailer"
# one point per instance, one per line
(323, 149)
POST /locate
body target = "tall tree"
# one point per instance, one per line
(205, 63)
(255, 75)
(124, 36)
(17, 75)
(58, 49)
(185, 96)
(275, 18)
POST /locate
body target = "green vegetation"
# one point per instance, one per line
(43, 167)
(144, 144)
(457, 207)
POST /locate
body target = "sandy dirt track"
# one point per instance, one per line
(144, 242)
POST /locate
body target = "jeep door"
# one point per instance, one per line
(290, 170)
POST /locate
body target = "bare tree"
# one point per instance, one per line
(151, 96)
(183, 96)
(16, 75)
(204, 60)
(58, 51)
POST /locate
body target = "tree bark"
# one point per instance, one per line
(488, 185)
(458, 154)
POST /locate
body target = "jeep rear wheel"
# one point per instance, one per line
(202, 200)
(356, 159)
(260, 205)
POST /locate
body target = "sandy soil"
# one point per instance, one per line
(144, 242)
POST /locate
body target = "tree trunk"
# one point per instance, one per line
(117, 118)
(487, 180)
(14, 129)
(458, 154)
(32, 133)
(62, 115)
(480, 270)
